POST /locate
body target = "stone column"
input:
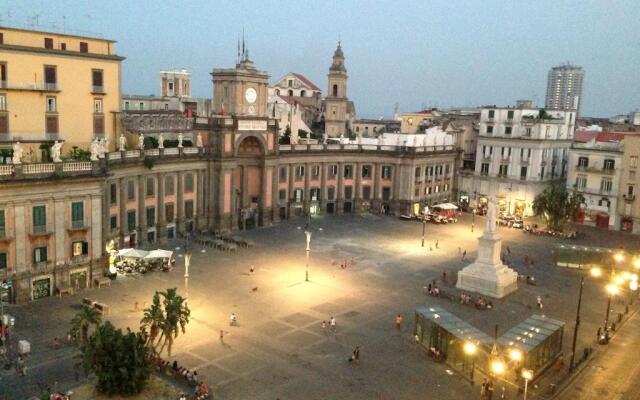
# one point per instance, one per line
(323, 187)
(122, 206)
(20, 226)
(161, 225)
(275, 194)
(357, 198)
(59, 231)
(244, 203)
(199, 222)
(306, 195)
(97, 241)
(141, 239)
(179, 203)
(340, 190)
(377, 181)
(397, 177)
(235, 200)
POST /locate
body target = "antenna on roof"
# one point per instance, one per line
(238, 57)
(243, 55)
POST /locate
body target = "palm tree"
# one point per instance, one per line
(152, 319)
(83, 320)
(176, 318)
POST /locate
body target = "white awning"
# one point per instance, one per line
(132, 253)
(159, 253)
(446, 206)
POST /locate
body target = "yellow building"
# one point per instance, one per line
(416, 122)
(56, 87)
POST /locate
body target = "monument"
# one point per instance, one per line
(487, 275)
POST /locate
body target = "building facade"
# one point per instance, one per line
(628, 205)
(564, 88)
(336, 116)
(56, 87)
(520, 151)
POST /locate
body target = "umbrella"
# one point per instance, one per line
(446, 206)
(159, 253)
(132, 253)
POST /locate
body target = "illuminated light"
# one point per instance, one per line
(497, 367)
(527, 374)
(596, 272)
(633, 285)
(626, 276)
(470, 348)
(612, 289)
(634, 277)
(619, 257)
(515, 355)
(636, 263)
(618, 280)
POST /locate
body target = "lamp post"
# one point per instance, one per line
(424, 224)
(527, 375)
(612, 289)
(575, 332)
(470, 350)
(473, 210)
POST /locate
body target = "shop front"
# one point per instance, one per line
(626, 224)
(314, 208)
(519, 208)
(41, 287)
(79, 278)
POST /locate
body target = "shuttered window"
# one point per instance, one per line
(77, 214)
(51, 124)
(50, 75)
(39, 218)
(4, 125)
(98, 125)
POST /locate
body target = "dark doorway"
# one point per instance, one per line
(347, 206)
(330, 208)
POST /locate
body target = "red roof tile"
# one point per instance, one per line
(306, 81)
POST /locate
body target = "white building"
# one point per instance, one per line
(520, 151)
(595, 168)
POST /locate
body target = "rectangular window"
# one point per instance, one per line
(333, 170)
(149, 186)
(2, 224)
(583, 162)
(315, 171)
(168, 185)
(188, 209)
(484, 169)
(188, 183)
(447, 169)
(633, 161)
(97, 106)
(97, 82)
(98, 125)
(503, 170)
(417, 191)
(63, 46)
(113, 193)
(3, 75)
(507, 130)
(581, 182)
(126, 105)
(366, 192)
(51, 104)
(113, 222)
(1, 38)
(430, 171)
(348, 171)
(523, 173)
(84, 47)
(131, 220)
(605, 185)
(151, 216)
(48, 43)
(630, 190)
(3, 259)
(418, 172)
(315, 194)
(386, 193)
(489, 128)
(348, 192)
(283, 174)
(39, 219)
(77, 214)
(609, 165)
(299, 172)
(79, 248)
(40, 254)
(51, 124)
(141, 106)
(366, 171)
(297, 195)
(282, 195)
(492, 113)
(510, 114)
(168, 212)
(527, 132)
(3, 102)
(331, 193)
(386, 172)
(131, 190)
(50, 77)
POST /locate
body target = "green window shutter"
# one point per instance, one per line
(2, 227)
(151, 216)
(39, 216)
(77, 212)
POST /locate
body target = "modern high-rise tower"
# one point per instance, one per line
(564, 88)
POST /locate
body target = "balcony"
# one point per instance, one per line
(97, 90)
(596, 169)
(629, 197)
(78, 225)
(32, 87)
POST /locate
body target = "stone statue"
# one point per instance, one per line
(18, 152)
(102, 147)
(94, 148)
(308, 233)
(161, 141)
(491, 217)
(123, 143)
(180, 137)
(141, 141)
(54, 152)
(199, 140)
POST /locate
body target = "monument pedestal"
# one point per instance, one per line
(487, 275)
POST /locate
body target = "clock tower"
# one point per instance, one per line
(335, 113)
(240, 91)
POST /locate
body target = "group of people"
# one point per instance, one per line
(433, 289)
(483, 304)
(331, 323)
(192, 378)
(346, 264)
(486, 390)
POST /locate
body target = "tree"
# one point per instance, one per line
(121, 362)
(83, 320)
(166, 318)
(556, 205)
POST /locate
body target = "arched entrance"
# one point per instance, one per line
(248, 182)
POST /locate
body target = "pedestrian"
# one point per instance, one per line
(221, 335)
(437, 244)
(599, 333)
(508, 250)
(356, 355)
(324, 326)
(429, 289)
(539, 300)
(464, 255)
(252, 269)
(398, 321)
(489, 390)
(233, 320)
(483, 389)
(46, 394)
(21, 367)
(444, 277)
(332, 323)
(56, 343)
(69, 337)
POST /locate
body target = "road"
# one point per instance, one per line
(615, 372)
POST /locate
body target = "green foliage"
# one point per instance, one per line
(174, 143)
(286, 136)
(150, 142)
(121, 362)
(167, 316)
(149, 162)
(78, 154)
(302, 133)
(82, 321)
(556, 205)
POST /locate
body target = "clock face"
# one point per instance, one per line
(251, 95)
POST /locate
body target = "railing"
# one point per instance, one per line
(365, 147)
(97, 89)
(36, 86)
(114, 156)
(38, 168)
(39, 229)
(629, 197)
(74, 166)
(190, 150)
(77, 224)
(173, 151)
(6, 169)
(3, 233)
(152, 152)
(132, 154)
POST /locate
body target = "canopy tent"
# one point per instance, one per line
(446, 206)
(159, 253)
(132, 253)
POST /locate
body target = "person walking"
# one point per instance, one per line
(539, 301)
(233, 320)
(464, 255)
(437, 244)
(332, 323)
(398, 321)
(356, 355)
(221, 336)
(324, 326)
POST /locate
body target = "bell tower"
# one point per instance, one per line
(335, 115)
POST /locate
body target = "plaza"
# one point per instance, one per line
(280, 350)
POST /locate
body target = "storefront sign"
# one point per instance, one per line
(252, 125)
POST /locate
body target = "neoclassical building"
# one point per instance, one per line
(56, 217)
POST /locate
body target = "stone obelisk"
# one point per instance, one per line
(487, 275)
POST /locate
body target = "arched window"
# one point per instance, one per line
(290, 93)
(335, 90)
(303, 93)
(277, 92)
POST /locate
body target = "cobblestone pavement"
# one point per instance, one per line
(279, 350)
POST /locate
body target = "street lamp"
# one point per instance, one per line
(527, 375)
(308, 235)
(612, 289)
(515, 355)
(596, 272)
(473, 210)
(470, 350)
(497, 366)
(424, 224)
